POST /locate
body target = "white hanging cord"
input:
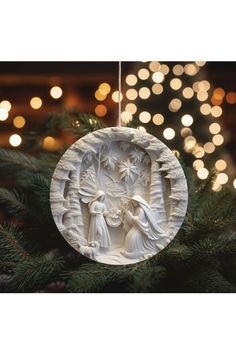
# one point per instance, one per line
(119, 95)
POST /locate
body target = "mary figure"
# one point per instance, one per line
(144, 236)
(98, 231)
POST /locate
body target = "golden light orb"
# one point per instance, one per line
(131, 94)
(15, 140)
(205, 109)
(175, 84)
(143, 74)
(158, 77)
(218, 139)
(115, 96)
(200, 63)
(174, 105)
(197, 164)
(50, 144)
(5, 105)
(164, 69)
(222, 178)
(104, 88)
(131, 108)
(214, 128)
(209, 147)
(56, 92)
(3, 114)
(234, 183)
(220, 165)
(144, 93)
(188, 92)
(145, 117)
(202, 96)
(191, 69)
(219, 93)
(158, 119)
(157, 89)
(189, 142)
(187, 120)
(231, 97)
(36, 102)
(154, 66)
(216, 187)
(186, 132)
(19, 122)
(100, 96)
(169, 133)
(202, 173)
(216, 111)
(198, 152)
(131, 80)
(178, 70)
(100, 110)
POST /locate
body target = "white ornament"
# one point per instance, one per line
(118, 195)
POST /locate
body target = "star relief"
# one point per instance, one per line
(128, 171)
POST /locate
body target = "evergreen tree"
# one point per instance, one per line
(34, 257)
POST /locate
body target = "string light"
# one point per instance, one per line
(197, 164)
(50, 144)
(188, 92)
(3, 114)
(175, 84)
(144, 93)
(143, 74)
(36, 102)
(131, 94)
(216, 111)
(209, 147)
(205, 109)
(202, 173)
(157, 89)
(145, 117)
(19, 122)
(131, 80)
(115, 96)
(100, 110)
(131, 107)
(15, 140)
(178, 70)
(158, 77)
(220, 165)
(187, 120)
(218, 139)
(101, 96)
(5, 105)
(169, 133)
(214, 128)
(56, 92)
(158, 119)
(222, 178)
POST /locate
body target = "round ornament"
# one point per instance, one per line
(118, 195)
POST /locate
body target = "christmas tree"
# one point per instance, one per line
(34, 257)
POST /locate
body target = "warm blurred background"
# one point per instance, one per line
(191, 106)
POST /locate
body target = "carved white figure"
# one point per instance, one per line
(95, 184)
(98, 231)
(144, 236)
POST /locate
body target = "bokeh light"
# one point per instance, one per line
(100, 96)
(145, 117)
(188, 92)
(186, 132)
(131, 80)
(178, 70)
(131, 107)
(19, 122)
(205, 109)
(36, 102)
(209, 147)
(222, 178)
(174, 105)
(169, 133)
(5, 105)
(220, 165)
(187, 120)
(158, 119)
(154, 66)
(115, 96)
(218, 139)
(100, 110)
(50, 143)
(131, 94)
(157, 89)
(143, 74)
(216, 111)
(15, 140)
(202, 96)
(126, 117)
(197, 164)
(104, 88)
(234, 183)
(202, 173)
(56, 92)
(175, 84)
(144, 93)
(231, 97)
(214, 128)
(3, 114)
(158, 77)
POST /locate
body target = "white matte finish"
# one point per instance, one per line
(118, 195)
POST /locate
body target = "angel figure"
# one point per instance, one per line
(144, 236)
(98, 231)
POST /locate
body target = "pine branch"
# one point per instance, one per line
(147, 280)
(12, 245)
(11, 161)
(13, 202)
